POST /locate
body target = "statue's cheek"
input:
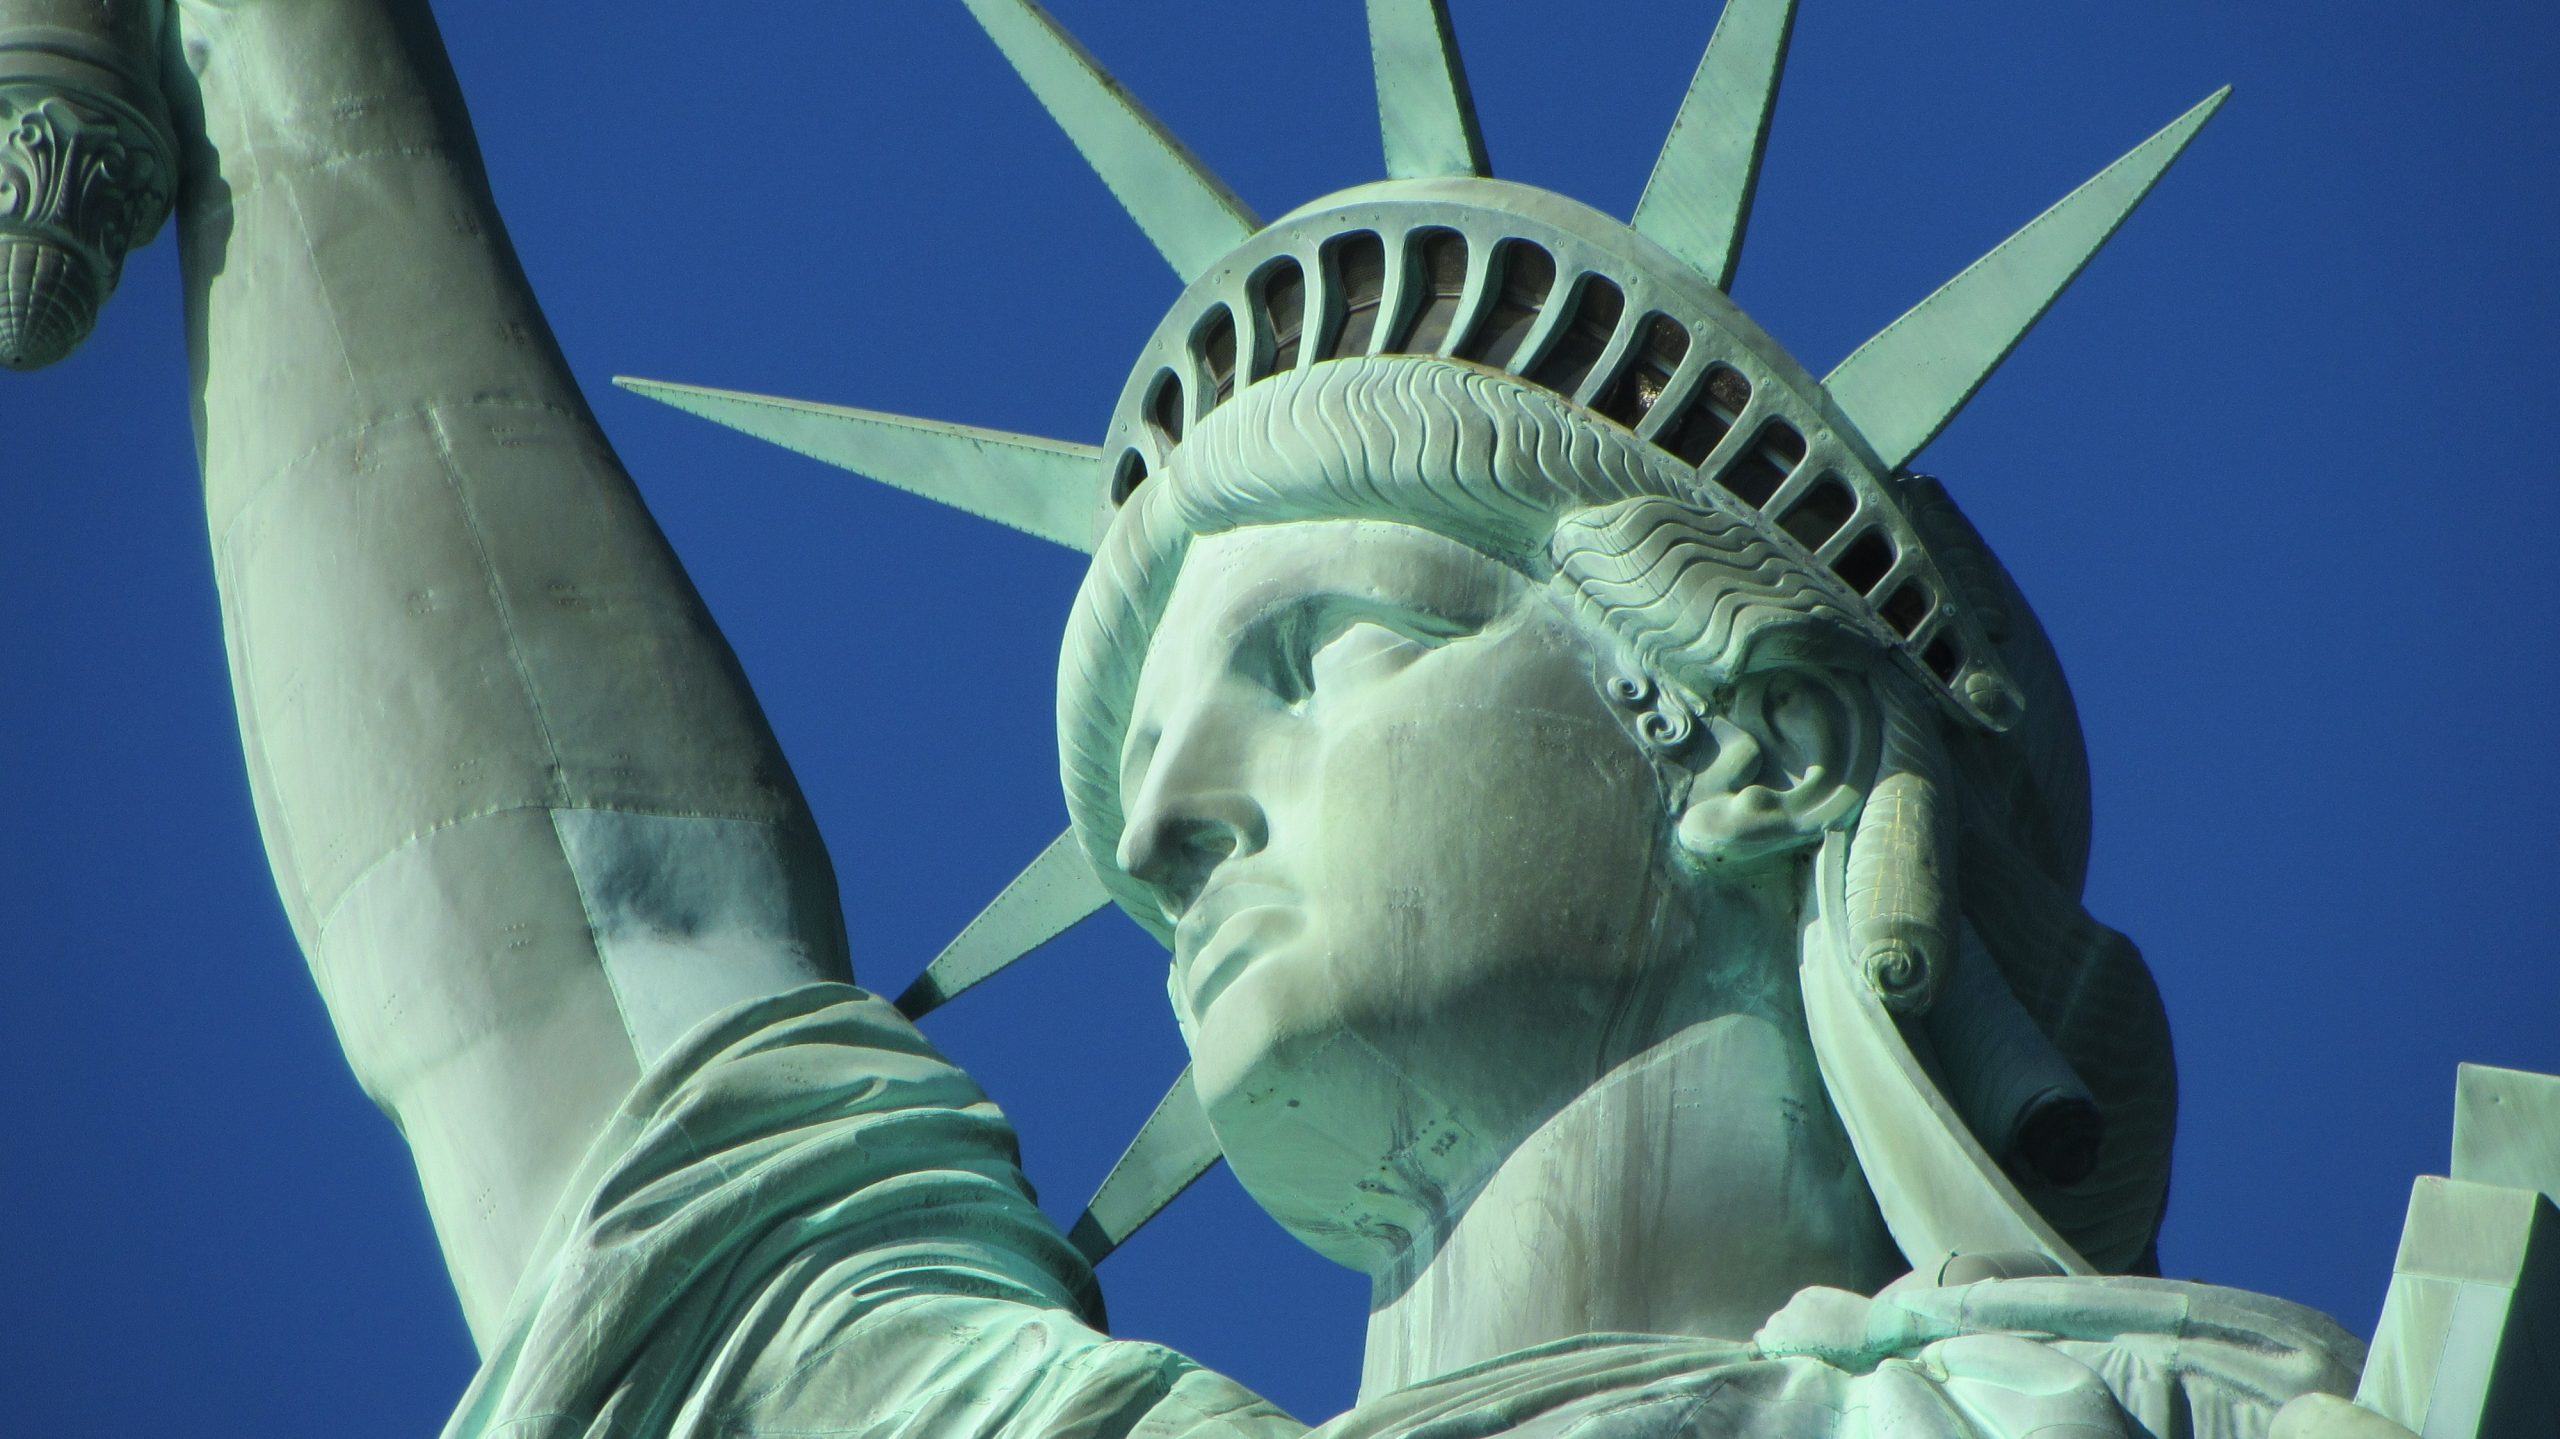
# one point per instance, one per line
(1452, 839)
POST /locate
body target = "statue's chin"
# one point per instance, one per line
(1344, 1148)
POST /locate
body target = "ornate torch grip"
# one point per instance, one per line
(88, 163)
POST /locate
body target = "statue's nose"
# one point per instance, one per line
(1191, 814)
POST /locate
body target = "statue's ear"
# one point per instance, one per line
(1787, 757)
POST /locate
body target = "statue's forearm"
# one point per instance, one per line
(523, 810)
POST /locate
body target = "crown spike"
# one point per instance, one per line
(1053, 894)
(1173, 1149)
(1426, 114)
(1188, 212)
(1048, 488)
(1699, 200)
(1902, 387)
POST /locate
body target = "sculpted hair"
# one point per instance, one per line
(1970, 844)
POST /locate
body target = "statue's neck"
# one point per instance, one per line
(1691, 1191)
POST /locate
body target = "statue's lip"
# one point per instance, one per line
(1217, 936)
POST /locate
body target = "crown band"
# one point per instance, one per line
(1548, 291)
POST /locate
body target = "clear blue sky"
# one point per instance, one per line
(2276, 474)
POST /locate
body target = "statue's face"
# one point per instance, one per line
(1413, 857)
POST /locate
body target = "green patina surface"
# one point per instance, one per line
(1619, 831)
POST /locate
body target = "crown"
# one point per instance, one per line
(1558, 295)
(1629, 321)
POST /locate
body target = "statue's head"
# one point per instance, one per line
(1464, 747)
(1501, 657)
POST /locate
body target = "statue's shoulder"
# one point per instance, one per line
(1997, 1358)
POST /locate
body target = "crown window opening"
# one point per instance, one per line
(1441, 267)
(1865, 563)
(1663, 343)
(1357, 267)
(1526, 274)
(1819, 513)
(1165, 408)
(1281, 297)
(1757, 475)
(1131, 473)
(1709, 417)
(1906, 608)
(1598, 305)
(1944, 657)
(1214, 345)
(1729, 391)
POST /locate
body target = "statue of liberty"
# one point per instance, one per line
(1618, 829)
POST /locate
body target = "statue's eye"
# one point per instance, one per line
(1360, 652)
(1300, 650)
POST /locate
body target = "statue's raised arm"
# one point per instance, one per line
(525, 815)
(553, 877)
